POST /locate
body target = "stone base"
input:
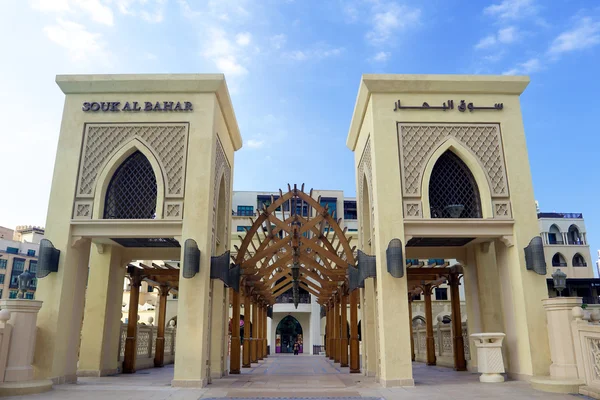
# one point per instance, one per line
(396, 382)
(491, 378)
(590, 392)
(25, 387)
(96, 373)
(189, 383)
(556, 385)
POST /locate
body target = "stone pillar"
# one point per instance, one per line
(234, 357)
(344, 332)
(99, 349)
(254, 341)
(564, 376)
(18, 320)
(490, 362)
(429, 324)
(458, 344)
(265, 330)
(354, 344)
(412, 339)
(246, 357)
(132, 321)
(159, 356)
(216, 330)
(369, 329)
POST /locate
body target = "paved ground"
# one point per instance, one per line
(304, 376)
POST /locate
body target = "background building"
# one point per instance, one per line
(18, 252)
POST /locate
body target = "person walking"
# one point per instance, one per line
(296, 348)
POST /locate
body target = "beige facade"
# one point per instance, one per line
(396, 149)
(145, 163)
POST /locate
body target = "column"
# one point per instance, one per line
(131, 340)
(460, 364)
(344, 332)
(234, 357)
(216, 328)
(412, 339)
(99, 349)
(159, 353)
(246, 357)
(369, 329)
(254, 340)
(354, 345)
(328, 349)
(265, 330)
(429, 321)
(336, 329)
(259, 338)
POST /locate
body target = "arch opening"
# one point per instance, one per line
(574, 236)
(132, 191)
(288, 332)
(579, 261)
(554, 235)
(558, 260)
(453, 191)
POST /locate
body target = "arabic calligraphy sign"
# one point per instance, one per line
(449, 105)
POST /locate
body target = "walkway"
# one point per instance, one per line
(286, 376)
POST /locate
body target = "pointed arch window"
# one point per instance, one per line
(132, 191)
(453, 191)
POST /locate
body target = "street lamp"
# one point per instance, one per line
(560, 281)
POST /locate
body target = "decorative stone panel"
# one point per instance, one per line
(364, 171)
(502, 209)
(419, 141)
(222, 170)
(412, 209)
(168, 141)
(83, 209)
(173, 210)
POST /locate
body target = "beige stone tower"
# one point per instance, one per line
(144, 163)
(442, 165)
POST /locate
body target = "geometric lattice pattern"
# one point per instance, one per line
(364, 171)
(131, 193)
(167, 141)
(453, 191)
(418, 142)
(594, 346)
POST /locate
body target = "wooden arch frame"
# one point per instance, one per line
(279, 239)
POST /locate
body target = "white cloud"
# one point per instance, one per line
(382, 56)
(388, 19)
(528, 67)
(512, 9)
(506, 35)
(278, 41)
(243, 39)
(318, 53)
(81, 44)
(586, 34)
(150, 11)
(93, 9)
(486, 42)
(255, 144)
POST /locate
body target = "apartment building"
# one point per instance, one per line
(18, 253)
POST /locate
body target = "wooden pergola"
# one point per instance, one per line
(295, 243)
(424, 279)
(165, 278)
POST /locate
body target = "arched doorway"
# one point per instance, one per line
(288, 332)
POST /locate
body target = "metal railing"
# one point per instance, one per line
(146, 345)
(442, 335)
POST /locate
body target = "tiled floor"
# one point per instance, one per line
(288, 376)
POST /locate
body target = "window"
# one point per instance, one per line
(29, 295)
(558, 260)
(243, 228)
(2, 279)
(31, 253)
(132, 191)
(12, 250)
(18, 268)
(441, 293)
(1, 290)
(353, 230)
(150, 288)
(3, 263)
(12, 294)
(453, 192)
(350, 210)
(331, 203)
(263, 201)
(246, 211)
(554, 235)
(574, 237)
(579, 261)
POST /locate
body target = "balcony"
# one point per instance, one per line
(559, 264)
(580, 264)
(556, 242)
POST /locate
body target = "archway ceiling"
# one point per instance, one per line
(283, 239)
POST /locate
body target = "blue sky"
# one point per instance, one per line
(293, 68)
